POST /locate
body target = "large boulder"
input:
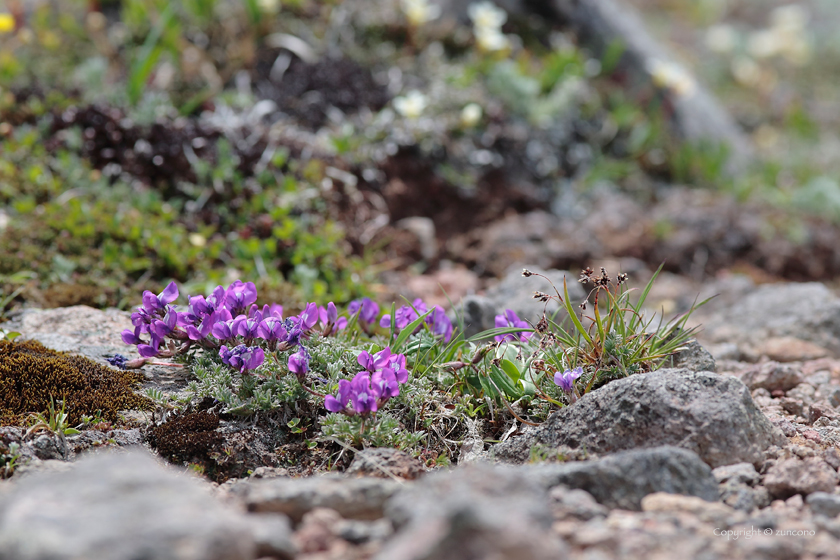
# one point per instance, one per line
(709, 414)
(125, 506)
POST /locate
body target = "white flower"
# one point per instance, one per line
(411, 105)
(764, 44)
(746, 71)
(490, 40)
(269, 6)
(792, 17)
(471, 115)
(486, 15)
(721, 38)
(672, 76)
(418, 12)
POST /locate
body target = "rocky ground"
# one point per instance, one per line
(733, 459)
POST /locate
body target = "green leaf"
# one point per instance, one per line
(504, 383)
(408, 330)
(71, 432)
(510, 368)
(490, 333)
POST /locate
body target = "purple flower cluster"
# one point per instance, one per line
(510, 319)
(371, 388)
(242, 357)
(228, 316)
(438, 322)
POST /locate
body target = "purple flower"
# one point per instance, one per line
(130, 337)
(118, 361)
(308, 317)
(152, 302)
(299, 362)
(386, 384)
(167, 325)
(242, 357)
(247, 328)
(397, 363)
(362, 395)
(272, 329)
(203, 329)
(274, 310)
(149, 350)
(329, 319)
(339, 403)
(375, 362)
(366, 308)
(510, 319)
(239, 296)
(223, 330)
(566, 380)
(440, 323)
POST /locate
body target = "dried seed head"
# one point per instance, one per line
(542, 296)
(496, 362)
(542, 326)
(586, 275)
(526, 273)
(621, 278)
(583, 305)
(538, 365)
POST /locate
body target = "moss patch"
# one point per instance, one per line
(30, 374)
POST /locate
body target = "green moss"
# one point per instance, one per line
(30, 374)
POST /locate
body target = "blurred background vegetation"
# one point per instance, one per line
(283, 141)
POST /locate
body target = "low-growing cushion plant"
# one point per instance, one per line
(371, 379)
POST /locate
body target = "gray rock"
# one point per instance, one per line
(710, 414)
(360, 532)
(574, 503)
(124, 506)
(352, 498)
(473, 512)
(694, 358)
(742, 473)
(807, 311)
(834, 397)
(742, 497)
(623, 479)
(823, 503)
(384, 462)
(799, 476)
(478, 313)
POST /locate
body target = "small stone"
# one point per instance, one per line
(776, 394)
(799, 476)
(832, 457)
(352, 498)
(744, 473)
(772, 376)
(574, 503)
(791, 349)
(786, 426)
(812, 435)
(823, 503)
(709, 512)
(819, 410)
(834, 397)
(384, 462)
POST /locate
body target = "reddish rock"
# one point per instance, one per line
(797, 476)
